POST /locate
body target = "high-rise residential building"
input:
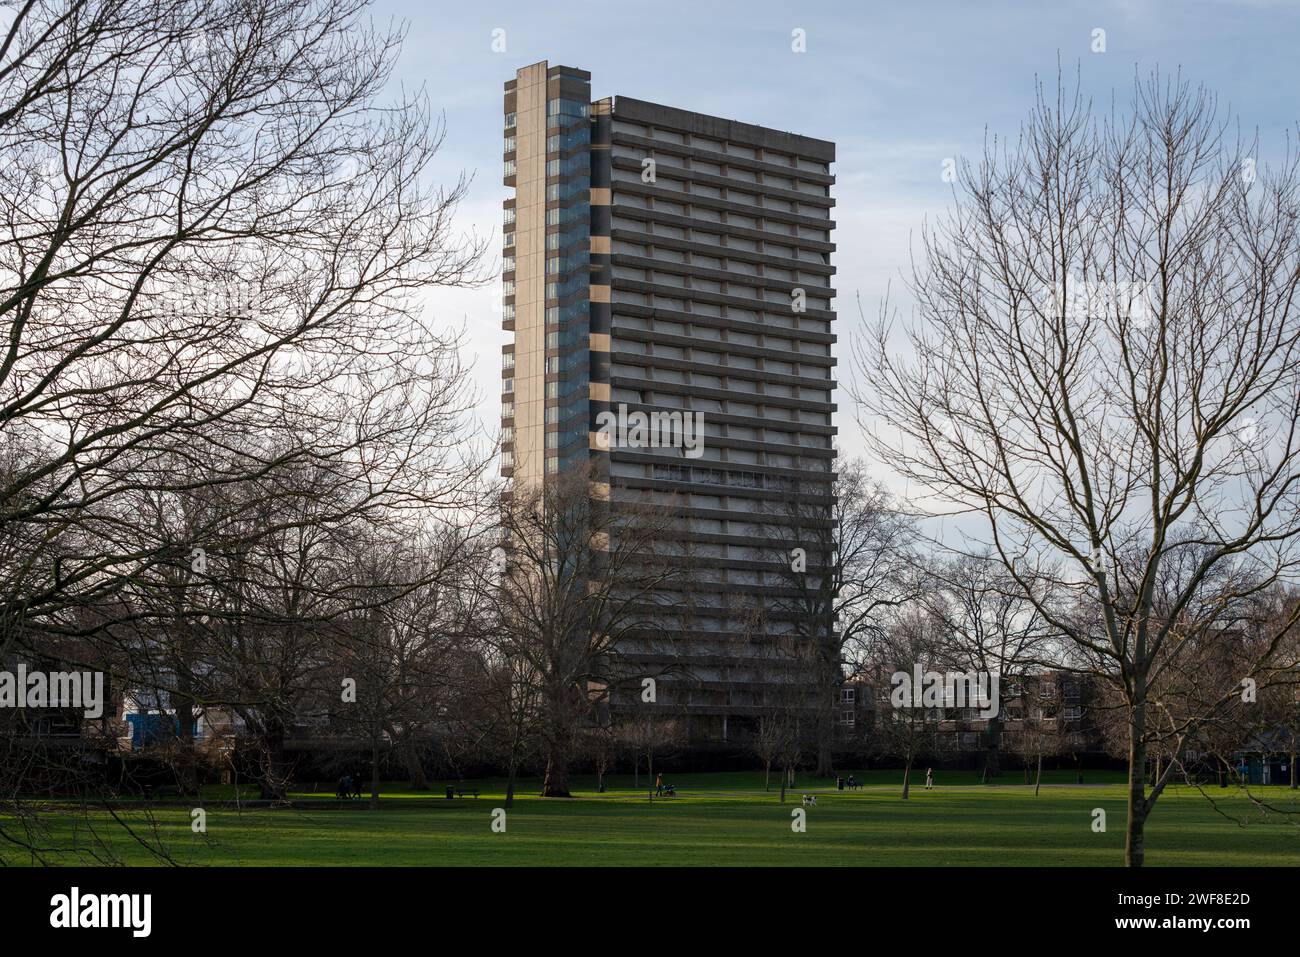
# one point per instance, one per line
(659, 260)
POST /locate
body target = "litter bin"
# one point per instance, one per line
(839, 784)
(451, 793)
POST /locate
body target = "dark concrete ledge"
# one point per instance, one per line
(714, 127)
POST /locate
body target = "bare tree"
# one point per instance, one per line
(905, 727)
(845, 551)
(784, 703)
(987, 625)
(578, 580)
(1039, 732)
(215, 240)
(1105, 367)
(208, 219)
(404, 622)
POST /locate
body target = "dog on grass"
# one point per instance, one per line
(810, 800)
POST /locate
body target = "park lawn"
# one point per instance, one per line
(721, 819)
(625, 784)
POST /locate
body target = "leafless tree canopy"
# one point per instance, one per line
(216, 225)
(213, 236)
(579, 584)
(1104, 366)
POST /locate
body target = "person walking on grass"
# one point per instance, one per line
(929, 779)
(659, 785)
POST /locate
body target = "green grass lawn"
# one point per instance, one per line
(728, 819)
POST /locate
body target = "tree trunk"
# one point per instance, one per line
(907, 778)
(559, 743)
(556, 782)
(1293, 769)
(1134, 846)
(785, 778)
(414, 766)
(767, 776)
(1038, 778)
(374, 772)
(831, 680)
(826, 740)
(272, 784)
(825, 760)
(510, 783)
(992, 763)
(183, 705)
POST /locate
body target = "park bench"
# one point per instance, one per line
(461, 792)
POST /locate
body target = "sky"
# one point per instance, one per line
(900, 87)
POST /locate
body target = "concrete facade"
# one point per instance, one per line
(706, 290)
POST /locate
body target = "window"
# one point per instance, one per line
(508, 239)
(508, 385)
(510, 121)
(507, 360)
(507, 460)
(848, 695)
(566, 108)
(510, 167)
(509, 215)
(510, 144)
